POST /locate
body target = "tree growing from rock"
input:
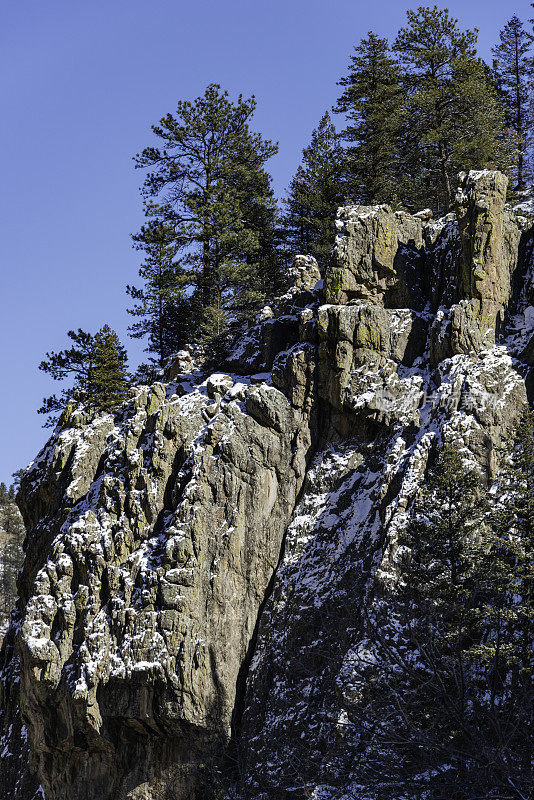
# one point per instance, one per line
(514, 72)
(73, 364)
(95, 367)
(108, 382)
(371, 99)
(207, 183)
(161, 307)
(504, 644)
(509, 575)
(451, 116)
(314, 193)
(420, 113)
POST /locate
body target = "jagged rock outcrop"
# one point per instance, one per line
(154, 538)
(196, 566)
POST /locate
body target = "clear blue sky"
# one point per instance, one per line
(81, 84)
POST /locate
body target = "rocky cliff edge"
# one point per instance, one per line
(192, 561)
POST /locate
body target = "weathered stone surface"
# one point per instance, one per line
(366, 245)
(467, 327)
(294, 373)
(490, 237)
(197, 565)
(187, 360)
(356, 335)
(395, 259)
(285, 322)
(304, 273)
(358, 493)
(140, 608)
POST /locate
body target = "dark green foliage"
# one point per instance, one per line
(314, 193)
(74, 364)
(514, 73)
(10, 520)
(13, 489)
(74, 361)
(108, 383)
(451, 113)
(371, 99)
(161, 305)
(508, 577)
(420, 114)
(96, 368)
(207, 184)
(438, 712)
(6, 495)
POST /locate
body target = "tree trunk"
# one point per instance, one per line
(445, 182)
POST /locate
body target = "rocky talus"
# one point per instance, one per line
(197, 564)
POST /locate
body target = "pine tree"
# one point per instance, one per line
(481, 138)
(509, 574)
(75, 364)
(514, 73)
(430, 717)
(503, 647)
(451, 117)
(10, 520)
(371, 98)
(208, 183)
(314, 194)
(108, 383)
(95, 368)
(161, 304)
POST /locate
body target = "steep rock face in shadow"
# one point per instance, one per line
(197, 564)
(395, 383)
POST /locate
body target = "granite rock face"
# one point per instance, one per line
(193, 563)
(145, 572)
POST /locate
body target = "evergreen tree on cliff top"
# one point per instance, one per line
(108, 382)
(95, 368)
(207, 182)
(514, 72)
(73, 364)
(451, 117)
(504, 647)
(161, 306)
(371, 99)
(314, 194)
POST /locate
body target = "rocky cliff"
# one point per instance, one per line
(11, 557)
(196, 565)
